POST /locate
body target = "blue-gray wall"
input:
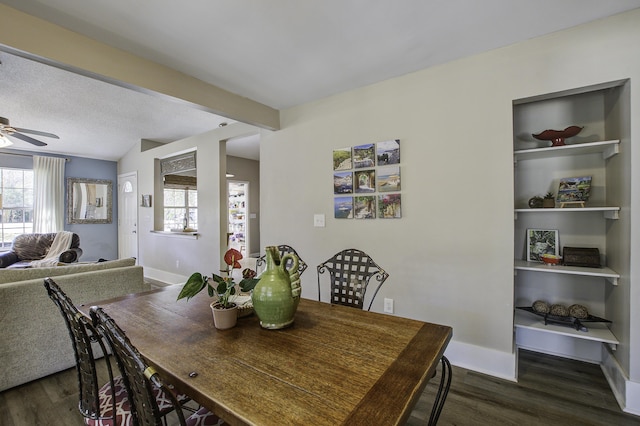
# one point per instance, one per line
(97, 241)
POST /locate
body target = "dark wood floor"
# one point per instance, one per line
(550, 391)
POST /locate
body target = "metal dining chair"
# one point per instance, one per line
(349, 274)
(284, 249)
(97, 404)
(140, 379)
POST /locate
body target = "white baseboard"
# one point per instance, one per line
(164, 276)
(626, 392)
(482, 360)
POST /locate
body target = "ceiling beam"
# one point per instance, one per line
(37, 39)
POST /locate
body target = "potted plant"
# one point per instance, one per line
(549, 200)
(225, 312)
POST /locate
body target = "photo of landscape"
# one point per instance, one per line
(343, 183)
(342, 159)
(364, 207)
(364, 156)
(365, 181)
(343, 207)
(388, 178)
(389, 206)
(388, 152)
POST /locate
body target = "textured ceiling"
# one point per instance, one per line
(279, 52)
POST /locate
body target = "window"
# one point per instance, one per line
(180, 209)
(16, 187)
(180, 194)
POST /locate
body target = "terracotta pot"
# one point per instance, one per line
(224, 318)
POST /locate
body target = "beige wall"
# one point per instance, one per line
(451, 255)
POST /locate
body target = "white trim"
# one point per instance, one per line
(164, 276)
(626, 392)
(483, 360)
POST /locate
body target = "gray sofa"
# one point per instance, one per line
(28, 247)
(34, 341)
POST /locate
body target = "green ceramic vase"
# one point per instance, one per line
(275, 298)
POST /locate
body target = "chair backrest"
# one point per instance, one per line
(349, 272)
(83, 335)
(283, 249)
(139, 378)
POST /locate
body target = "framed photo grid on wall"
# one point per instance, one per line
(366, 181)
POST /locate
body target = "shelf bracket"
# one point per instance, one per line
(612, 214)
(611, 151)
(612, 280)
(613, 346)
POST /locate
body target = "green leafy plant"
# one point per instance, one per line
(222, 287)
(549, 196)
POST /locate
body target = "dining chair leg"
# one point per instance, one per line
(443, 391)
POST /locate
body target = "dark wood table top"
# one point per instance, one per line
(335, 365)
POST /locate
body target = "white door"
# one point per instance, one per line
(128, 215)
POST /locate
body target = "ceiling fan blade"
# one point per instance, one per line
(27, 139)
(36, 132)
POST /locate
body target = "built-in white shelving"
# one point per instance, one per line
(604, 272)
(607, 148)
(608, 212)
(596, 331)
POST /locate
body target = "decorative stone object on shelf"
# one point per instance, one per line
(557, 137)
(541, 307)
(570, 318)
(578, 311)
(559, 310)
(535, 202)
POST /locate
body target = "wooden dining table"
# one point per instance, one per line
(335, 365)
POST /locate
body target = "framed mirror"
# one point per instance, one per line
(89, 200)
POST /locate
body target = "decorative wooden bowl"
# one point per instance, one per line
(557, 137)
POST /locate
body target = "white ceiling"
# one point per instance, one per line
(279, 52)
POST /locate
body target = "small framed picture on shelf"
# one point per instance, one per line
(574, 190)
(542, 241)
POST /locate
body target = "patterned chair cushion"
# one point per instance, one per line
(204, 417)
(123, 406)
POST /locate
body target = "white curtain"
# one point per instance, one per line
(48, 194)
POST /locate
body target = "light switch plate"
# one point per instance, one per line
(318, 220)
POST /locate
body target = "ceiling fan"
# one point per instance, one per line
(7, 130)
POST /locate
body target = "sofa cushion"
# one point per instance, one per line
(14, 275)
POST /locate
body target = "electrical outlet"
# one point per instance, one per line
(177, 264)
(388, 305)
(318, 220)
